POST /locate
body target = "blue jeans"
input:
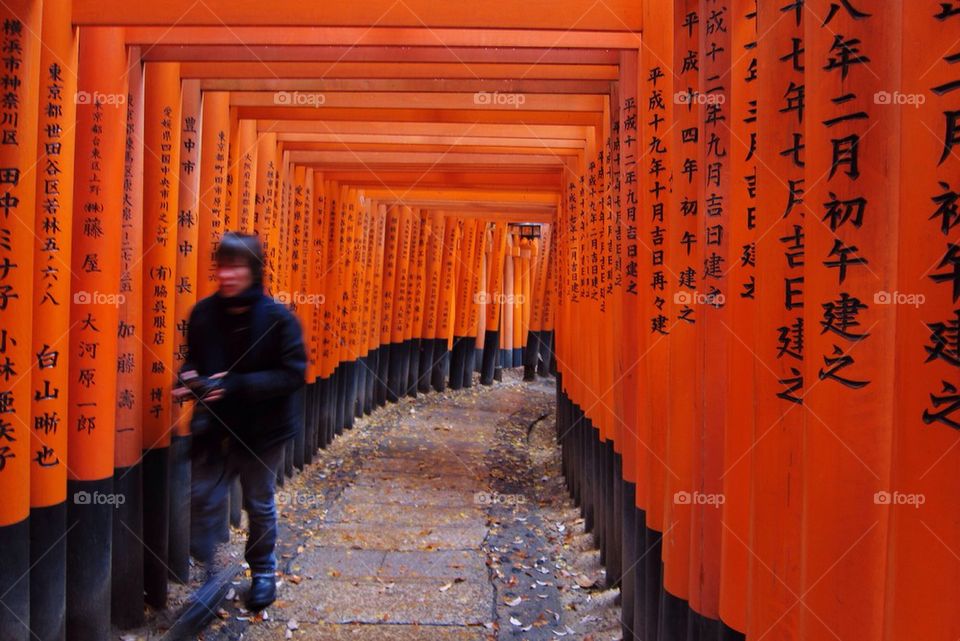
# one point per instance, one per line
(214, 467)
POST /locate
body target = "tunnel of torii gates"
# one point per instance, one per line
(729, 228)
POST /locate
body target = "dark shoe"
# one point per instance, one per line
(263, 592)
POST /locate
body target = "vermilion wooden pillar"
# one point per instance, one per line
(923, 574)
(742, 315)
(493, 303)
(265, 206)
(475, 283)
(444, 335)
(684, 261)
(213, 197)
(185, 297)
(369, 330)
(398, 354)
(231, 204)
(246, 171)
(21, 23)
(161, 169)
(646, 105)
(127, 562)
(431, 300)
(321, 277)
(379, 212)
(408, 299)
(98, 200)
(416, 313)
(548, 364)
(780, 344)
(853, 186)
(712, 309)
(391, 244)
(507, 307)
(51, 322)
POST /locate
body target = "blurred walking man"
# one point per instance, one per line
(245, 361)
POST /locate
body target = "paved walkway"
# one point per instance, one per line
(441, 518)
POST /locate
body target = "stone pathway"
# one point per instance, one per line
(441, 518)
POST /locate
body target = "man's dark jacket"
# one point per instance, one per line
(259, 406)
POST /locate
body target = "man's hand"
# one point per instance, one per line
(217, 393)
(180, 391)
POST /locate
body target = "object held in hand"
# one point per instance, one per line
(200, 386)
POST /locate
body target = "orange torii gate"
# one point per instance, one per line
(748, 248)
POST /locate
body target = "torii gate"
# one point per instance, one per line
(751, 261)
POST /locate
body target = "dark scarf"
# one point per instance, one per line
(240, 321)
(246, 298)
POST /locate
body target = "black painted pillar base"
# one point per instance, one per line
(426, 365)
(178, 551)
(235, 506)
(333, 395)
(397, 358)
(317, 415)
(383, 374)
(48, 573)
(575, 439)
(404, 378)
(584, 472)
(350, 397)
(413, 365)
(361, 396)
(309, 422)
(729, 634)
(531, 353)
(371, 381)
(655, 596)
(488, 365)
(126, 598)
(602, 476)
(286, 471)
(90, 512)
(457, 362)
(469, 360)
(516, 358)
(441, 364)
(340, 394)
(156, 525)
(615, 519)
(323, 411)
(15, 581)
(628, 578)
(345, 413)
(551, 357)
(701, 628)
